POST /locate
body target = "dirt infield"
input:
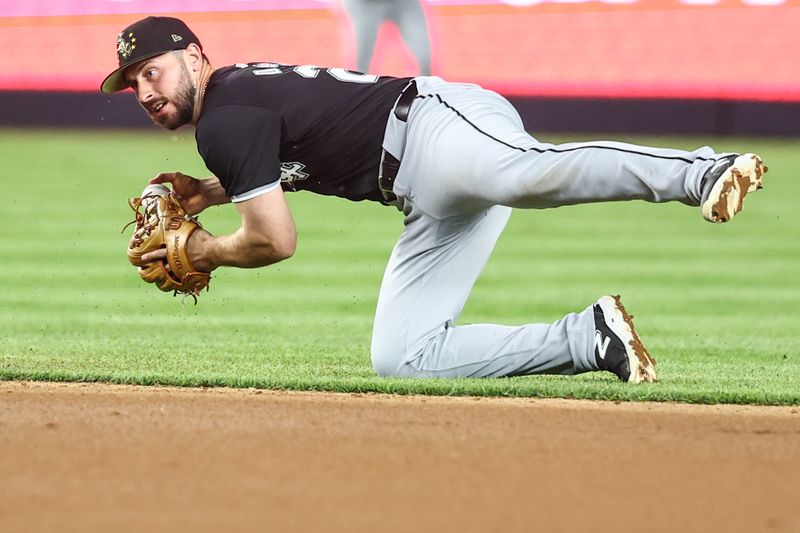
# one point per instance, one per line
(80, 457)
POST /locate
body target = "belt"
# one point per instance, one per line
(403, 107)
(390, 165)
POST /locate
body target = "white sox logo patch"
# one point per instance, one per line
(125, 48)
(292, 172)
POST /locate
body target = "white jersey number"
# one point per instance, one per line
(312, 71)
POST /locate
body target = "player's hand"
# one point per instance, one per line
(195, 247)
(194, 194)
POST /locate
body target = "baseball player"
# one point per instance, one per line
(367, 17)
(453, 157)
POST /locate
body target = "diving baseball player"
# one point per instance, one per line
(453, 157)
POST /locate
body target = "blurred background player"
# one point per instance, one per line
(367, 17)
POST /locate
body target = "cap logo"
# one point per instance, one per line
(176, 38)
(126, 47)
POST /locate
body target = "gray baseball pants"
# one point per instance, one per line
(466, 161)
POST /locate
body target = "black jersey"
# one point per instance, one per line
(307, 127)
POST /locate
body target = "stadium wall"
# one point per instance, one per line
(70, 109)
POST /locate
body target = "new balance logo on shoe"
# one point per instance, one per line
(601, 344)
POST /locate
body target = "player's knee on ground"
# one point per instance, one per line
(386, 361)
(389, 359)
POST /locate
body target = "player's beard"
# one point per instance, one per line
(183, 100)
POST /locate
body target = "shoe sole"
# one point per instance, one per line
(641, 363)
(728, 193)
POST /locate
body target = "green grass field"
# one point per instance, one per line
(718, 305)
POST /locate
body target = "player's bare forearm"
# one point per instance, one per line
(213, 191)
(238, 250)
(267, 235)
(195, 194)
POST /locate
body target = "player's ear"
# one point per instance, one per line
(194, 57)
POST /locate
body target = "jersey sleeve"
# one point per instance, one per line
(239, 144)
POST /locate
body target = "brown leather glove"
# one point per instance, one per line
(162, 222)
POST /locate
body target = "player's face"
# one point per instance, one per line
(164, 88)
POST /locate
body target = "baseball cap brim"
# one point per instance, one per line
(115, 81)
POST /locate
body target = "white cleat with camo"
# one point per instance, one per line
(726, 184)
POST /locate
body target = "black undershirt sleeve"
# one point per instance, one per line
(240, 146)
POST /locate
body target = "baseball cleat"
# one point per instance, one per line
(726, 184)
(617, 346)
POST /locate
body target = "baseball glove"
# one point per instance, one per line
(162, 222)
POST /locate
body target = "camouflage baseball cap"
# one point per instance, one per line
(144, 39)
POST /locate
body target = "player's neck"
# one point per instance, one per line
(202, 83)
